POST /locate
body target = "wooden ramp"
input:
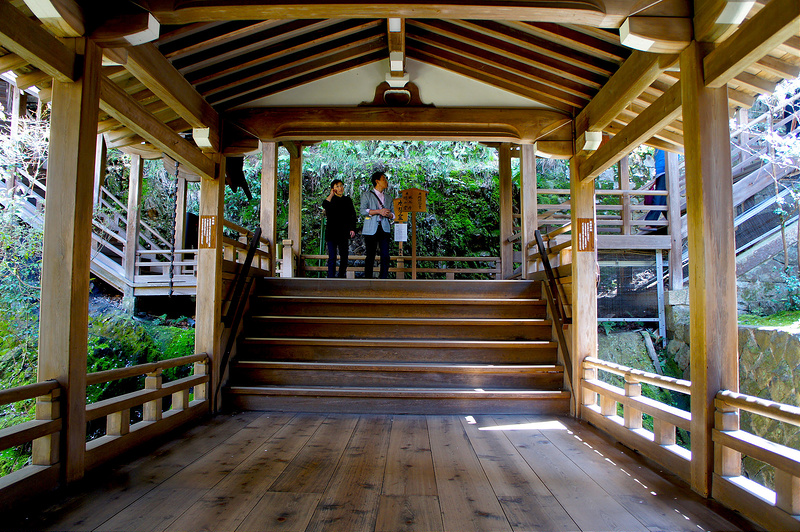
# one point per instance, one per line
(397, 346)
(254, 472)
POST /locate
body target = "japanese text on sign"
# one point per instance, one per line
(415, 200)
(208, 232)
(400, 216)
(585, 234)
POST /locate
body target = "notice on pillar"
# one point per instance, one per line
(585, 234)
(401, 232)
(208, 232)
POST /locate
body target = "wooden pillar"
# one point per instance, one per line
(296, 199)
(625, 184)
(528, 203)
(269, 199)
(208, 327)
(584, 275)
(132, 228)
(64, 323)
(180, 216)
(100, 166)
(675, 229)
(506, 212)
(712, 258)
(19, 109)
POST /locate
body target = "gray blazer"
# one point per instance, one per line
(370, 201)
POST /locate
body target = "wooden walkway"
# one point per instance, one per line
(312, 472)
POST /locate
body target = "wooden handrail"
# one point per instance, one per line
(555, 304)
(236, 308)
(636, 375)
(28, 391)
(762, 407)
(135, 371)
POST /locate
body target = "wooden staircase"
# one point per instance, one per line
(397, 346)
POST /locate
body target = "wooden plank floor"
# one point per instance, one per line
(258, 471)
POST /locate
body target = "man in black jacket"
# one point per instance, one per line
(341, 226)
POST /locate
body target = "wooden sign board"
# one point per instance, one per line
(208, 232)
(586, 236)
(415, 200)
(400, 216)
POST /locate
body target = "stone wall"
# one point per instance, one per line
(769, 367)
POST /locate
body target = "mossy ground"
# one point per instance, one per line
(785, 319)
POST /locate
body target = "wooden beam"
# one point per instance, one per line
(585, 13)
(639, 71)
(712, 281)
(130, 29)
(64, 18)
(269, 198)
(716, 20)
(11, 62)
(157, 74)
(115, 102)
(396, 36)
(506, 211)
(584, 275)
(20, 35)
(654, 118)
(491, 125)
(754, 39)
(658, 35)
(63, 327)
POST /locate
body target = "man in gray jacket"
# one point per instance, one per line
(378, 209)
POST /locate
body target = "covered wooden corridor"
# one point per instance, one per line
(257, 471)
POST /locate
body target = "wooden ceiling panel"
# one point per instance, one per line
(345, 47)
(308, 77)
(499, 60)
(258, 59)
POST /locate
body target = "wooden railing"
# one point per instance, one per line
(402, 266)
(774, 509)
(599, 407)
(43, 472)
(189, 400)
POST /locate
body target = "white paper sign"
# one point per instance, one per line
(401, 232)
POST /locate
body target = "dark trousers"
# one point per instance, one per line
(342, 246)
(381, 238)
(661, 184)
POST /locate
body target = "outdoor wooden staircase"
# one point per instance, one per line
(397, 346)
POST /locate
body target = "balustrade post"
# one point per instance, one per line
(118, 423)
(663, 432)
(589, 396)
(727, 462)
(180, 400)
(46, 449)
(287, 263)
(608, 406)
(152, 409)
(632, 416)
(201, 390)
(787, 492)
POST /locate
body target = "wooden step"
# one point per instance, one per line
(399, 288)
(382, 307)
(383, 350)
(360, 328)
(420, 375)
(436, 401)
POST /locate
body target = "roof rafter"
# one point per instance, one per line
(754, 39)
(122, 107)
(22, 36)
(643, 127)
